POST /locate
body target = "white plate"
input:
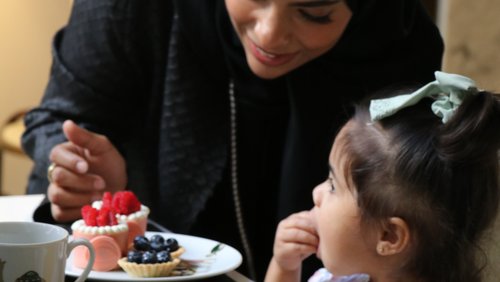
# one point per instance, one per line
(225, 260)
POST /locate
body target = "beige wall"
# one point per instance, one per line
(26, 29)
(473, 41)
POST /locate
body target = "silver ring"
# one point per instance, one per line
(50, 169)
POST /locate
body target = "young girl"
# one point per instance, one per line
(413, 185)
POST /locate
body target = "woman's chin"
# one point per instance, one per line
(268, 72)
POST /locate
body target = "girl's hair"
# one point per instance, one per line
(442, 179)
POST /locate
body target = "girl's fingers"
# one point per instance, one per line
(298, 236)
(301, 220)
(299, 250)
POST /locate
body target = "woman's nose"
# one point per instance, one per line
(271, 29)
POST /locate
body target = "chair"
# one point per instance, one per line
(10, 138)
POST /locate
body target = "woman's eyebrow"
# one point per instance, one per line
(316, 3)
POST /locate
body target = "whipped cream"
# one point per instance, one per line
(144, 212)
(80, 226)
(97, 205)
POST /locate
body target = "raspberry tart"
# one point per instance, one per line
(128, 209)
(108, 237)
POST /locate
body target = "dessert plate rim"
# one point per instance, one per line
(223, 261)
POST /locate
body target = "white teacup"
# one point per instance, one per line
(32, 249)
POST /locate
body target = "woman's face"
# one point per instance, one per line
(343, 246)
(281, 35)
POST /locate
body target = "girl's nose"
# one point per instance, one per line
(318, 195)
(271, 29)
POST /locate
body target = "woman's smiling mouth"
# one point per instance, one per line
(270, 59)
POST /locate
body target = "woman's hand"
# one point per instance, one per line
(85, 167)
(296, 239)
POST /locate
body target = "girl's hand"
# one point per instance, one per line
(296, 239)
(85, 167)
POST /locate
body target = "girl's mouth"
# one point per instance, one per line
(270, 59)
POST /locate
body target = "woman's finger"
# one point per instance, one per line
(76, 183)
(64, 199)
(67, 198)
(69, 156)
(61, 214)
(95, 143)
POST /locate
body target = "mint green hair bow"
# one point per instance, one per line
(448, 90)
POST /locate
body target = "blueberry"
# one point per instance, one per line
(157, 239)
(134, 256)
(172, 244)
(149, 257)
(163, 256)
(141, 243)
(158, 247)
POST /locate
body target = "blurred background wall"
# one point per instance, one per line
(26, 30)
(472, 36)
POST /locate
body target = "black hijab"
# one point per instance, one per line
(386, 42)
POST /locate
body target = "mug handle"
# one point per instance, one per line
(90, 263)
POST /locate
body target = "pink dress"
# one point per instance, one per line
(323, 275)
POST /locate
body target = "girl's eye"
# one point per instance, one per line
(321, 19)
(330, 181)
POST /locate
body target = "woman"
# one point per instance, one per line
(208, 107)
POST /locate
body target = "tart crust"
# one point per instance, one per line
(148, 270)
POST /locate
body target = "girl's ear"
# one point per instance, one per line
(394, 238)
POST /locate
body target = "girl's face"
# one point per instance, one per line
(281, 35)
(343, 247)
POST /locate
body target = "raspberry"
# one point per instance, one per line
(106, 200)
(125, 202)
(89, 215)
(94, 217)
(106, 217)
(112, 218)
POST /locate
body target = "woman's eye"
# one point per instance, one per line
(330, 181)
(321, 19)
